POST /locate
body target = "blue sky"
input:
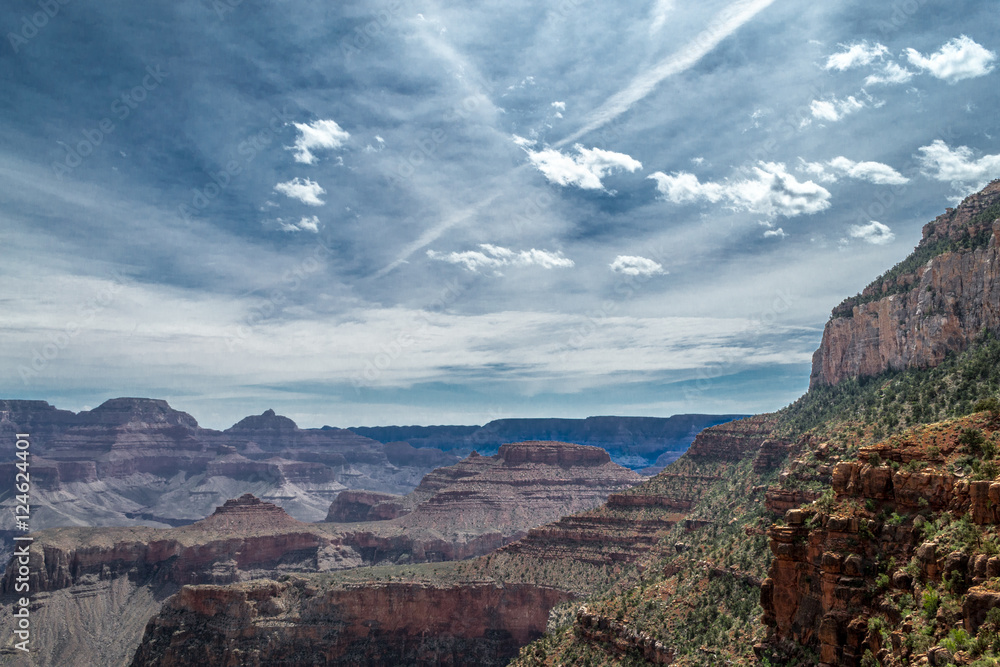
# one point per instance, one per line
(411, 212)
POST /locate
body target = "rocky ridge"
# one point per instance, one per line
(914, 316)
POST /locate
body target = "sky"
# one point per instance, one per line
(416, 212)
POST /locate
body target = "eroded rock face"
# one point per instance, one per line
(138, 461)
(297, 623)
(482, 502)
(356, 506)
(243, 535)
(940, 308)
(732, 441)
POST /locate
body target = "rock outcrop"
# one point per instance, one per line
(920, 314)
(301, 623)
(482, 502)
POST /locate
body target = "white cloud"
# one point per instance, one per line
(856, 55)
(584, 170)
(960, 58)
(560, 106)
(834, 109)
(873, 172)
(874, 232)
(958, 167)
(306, 224)
(496, 257)
(320, 134)
(303, 189)
(684, 188)
(891, 73)
(631, 265)
(766, 189)
(775, 233)
(523, 142)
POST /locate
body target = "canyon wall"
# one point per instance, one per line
(917, 316)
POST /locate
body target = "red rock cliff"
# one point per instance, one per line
(301, 623)
(915, 317)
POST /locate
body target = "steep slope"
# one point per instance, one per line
(934, 302)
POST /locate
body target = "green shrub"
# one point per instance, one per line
(990, 404)
(931, 603)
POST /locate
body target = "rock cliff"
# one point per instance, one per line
(935, 302)
(300, 622)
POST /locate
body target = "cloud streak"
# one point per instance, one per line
(731, 19)
(873, 172)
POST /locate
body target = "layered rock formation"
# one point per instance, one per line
(93, 589)
(917, 314)
(299, 623)
(138, 461)
(482, 502)
(823, 584)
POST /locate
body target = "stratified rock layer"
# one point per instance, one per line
(299, 624)
(939, 308)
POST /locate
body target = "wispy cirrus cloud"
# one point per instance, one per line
(305, 224)
(728, 21)
(891, 73)
(584, 170)
(303, 189)
(765, 189)
(633, 265)
(497, 257)
(318, 135)
(959, 59)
